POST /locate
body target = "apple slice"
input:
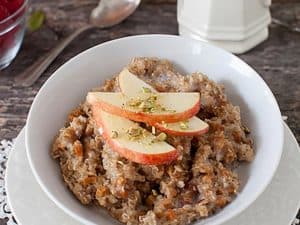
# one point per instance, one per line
(131, 141)
(148, 107)
(190, 127)
(132, 86)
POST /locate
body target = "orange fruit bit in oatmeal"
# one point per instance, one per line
(170, 214)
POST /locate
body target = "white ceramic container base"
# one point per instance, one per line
(278, 205)
(237, 47)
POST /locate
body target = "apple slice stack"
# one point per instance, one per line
(119, 116)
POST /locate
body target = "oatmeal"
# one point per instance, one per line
(198, 183)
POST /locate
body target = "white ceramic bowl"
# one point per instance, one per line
(69, 85)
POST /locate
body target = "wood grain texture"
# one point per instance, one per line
(285, 1)
(277, 59)
(274, 1)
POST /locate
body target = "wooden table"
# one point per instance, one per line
(277, 60)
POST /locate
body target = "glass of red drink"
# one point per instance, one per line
(12, 29)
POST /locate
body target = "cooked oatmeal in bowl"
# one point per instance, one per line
(165, 168)
(161, 148)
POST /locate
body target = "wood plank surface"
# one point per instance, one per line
(277, 59)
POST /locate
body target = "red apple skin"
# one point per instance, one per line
(147, 117)
(180, 133)
(137, 87)
(154, 159)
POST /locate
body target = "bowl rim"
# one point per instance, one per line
(221, 220)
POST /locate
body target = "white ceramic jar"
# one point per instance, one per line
(235, 25)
